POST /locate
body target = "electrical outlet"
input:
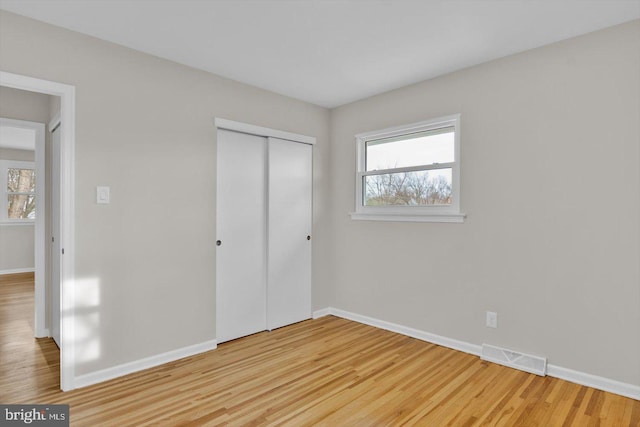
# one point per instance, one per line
(492, 319)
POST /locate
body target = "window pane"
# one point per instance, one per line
(21, 180)
(22, 206)
(420, 188)
(424, 148)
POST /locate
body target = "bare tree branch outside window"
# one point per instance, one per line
(408, 189)
(21, 187)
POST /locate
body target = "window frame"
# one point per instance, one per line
(431, 213)
(5, 165)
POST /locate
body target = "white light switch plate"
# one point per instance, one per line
(102, 195)
(492, 319)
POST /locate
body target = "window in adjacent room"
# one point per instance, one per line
(18, 180)
(410, 173)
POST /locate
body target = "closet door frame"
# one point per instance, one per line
(262, 131)
(225, 124)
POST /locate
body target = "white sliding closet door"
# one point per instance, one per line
(264, 219)
(289, 232)
(241, 227)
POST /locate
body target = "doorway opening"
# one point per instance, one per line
(63, 305)
(23, 204)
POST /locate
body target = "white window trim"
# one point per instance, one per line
(5, 165)
(449, 213)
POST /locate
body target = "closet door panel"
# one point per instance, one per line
(241, 232)
(289, 231)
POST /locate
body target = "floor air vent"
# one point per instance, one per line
(513, 359)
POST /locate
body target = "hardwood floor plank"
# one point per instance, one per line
(324, 372)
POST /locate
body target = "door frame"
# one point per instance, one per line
(67, 202)
(54, 126)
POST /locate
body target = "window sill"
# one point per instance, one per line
(12, 223)
(449, 217)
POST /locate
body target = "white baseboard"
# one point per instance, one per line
(45, 333)
(321, 313)
(601, 383)
(139, 365)
(582, 378)
(17, 270)
(400, 329)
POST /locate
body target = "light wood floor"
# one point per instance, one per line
(329, 372)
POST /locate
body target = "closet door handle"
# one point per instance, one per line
(218, 242)
(308, 237)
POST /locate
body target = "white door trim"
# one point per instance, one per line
(262, 131)
(40, 314)
(67, 202)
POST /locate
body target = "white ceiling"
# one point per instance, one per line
(330, 52)
(18, 138)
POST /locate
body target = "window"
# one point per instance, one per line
(18, 180)
(410, 173)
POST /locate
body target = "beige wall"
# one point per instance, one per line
(145, 128)
(17, 242)
(23, 105)
(16, 248)
(14, 154)
(550, 184)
